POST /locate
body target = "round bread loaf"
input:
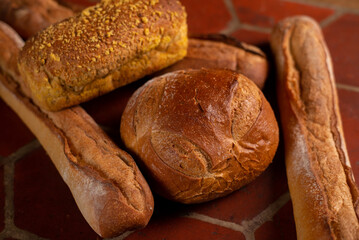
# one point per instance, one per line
(200, 134)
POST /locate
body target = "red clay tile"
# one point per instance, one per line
(342, 38)
(209, 16)
(284, 225)
(251, 37)
(265, 13)
(281, 227)
(43, 204)
(174, 228)
(14, 134)
(267, 231)
(252, 199)
(2, 199)
(348, 103)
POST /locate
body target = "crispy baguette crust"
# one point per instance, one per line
(200, 134)
(28, 17)
(104, 47)
(221, 51)
(10, 44)
(321, 184)
(107, 186)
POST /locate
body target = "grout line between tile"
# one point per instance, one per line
(332, 18)
(347, 87)
(20, 152)
(122, 236)
(10, 230)
(216, 221)
(9, 170)
(247, 227)
(255, 28)
(325, 5)
(266, 215)
(234, 24)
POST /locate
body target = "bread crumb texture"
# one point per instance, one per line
(104, 47)
(200, 133)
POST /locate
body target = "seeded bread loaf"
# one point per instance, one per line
(104, 47)
(200, 134)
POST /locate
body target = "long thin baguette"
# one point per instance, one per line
(321, 183)
(108, 188)
(221, 51)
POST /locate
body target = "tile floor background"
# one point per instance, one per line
(36, 204)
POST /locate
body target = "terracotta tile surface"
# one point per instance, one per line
(2, 198)
(44, 208)
(209, 16)
(252, 37)
(265, 13)
(43, 204)
(284, 226)
(344, 49)
(350, 4)
(268, 231)
(184, 228)
(14, 134)
(349, 102)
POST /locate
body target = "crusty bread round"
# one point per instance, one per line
(200, 134)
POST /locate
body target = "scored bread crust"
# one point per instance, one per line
(321, 183)
(200, 134)
(221, 51)
(104, 47)
(105, 182)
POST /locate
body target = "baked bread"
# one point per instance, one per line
(10, 43)
(221, 51)
(200, 134)
(104, 47)
(28, 17)
(321, 184)
(104, 180)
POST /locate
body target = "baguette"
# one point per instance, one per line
(104, 47)
(321, 183)
(221, 51)
(105, 182)
(28, 17)
(10, 44)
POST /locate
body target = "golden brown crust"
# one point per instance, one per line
(320, 180)
(220, 51)
(107, 186)
(10, 43)
(200, 134)
(106, 46)
(28, 17)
